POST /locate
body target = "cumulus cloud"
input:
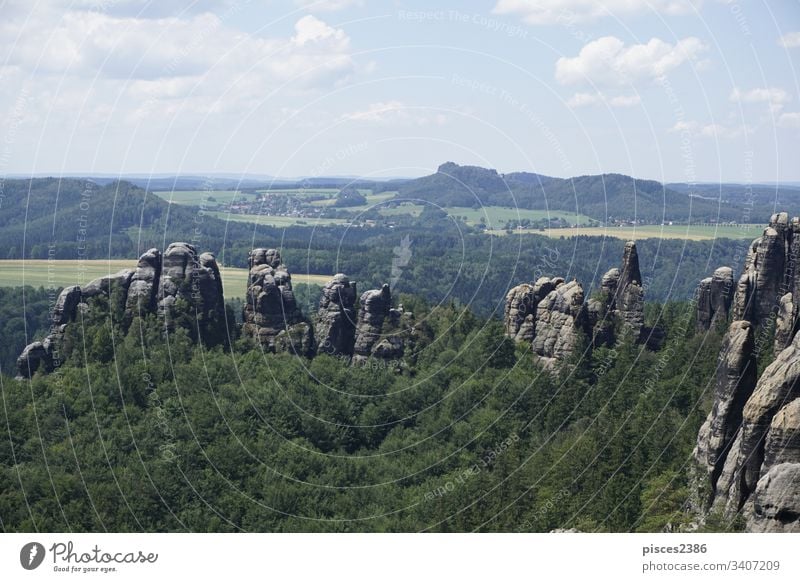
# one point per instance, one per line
(775, 97)
(608, 61)
(588, 99)
(396, 112)
(96, 44)
(328, 5)
(708, 130)
(123, 8)
(790, 119)
(790, 40)
(555, 11)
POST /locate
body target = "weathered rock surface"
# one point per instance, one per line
(714, 297)
(754, 468)
(143, 287)
(629, 299)
(558, 324)
(66, 305)
(194, 280)
(107, 284)
(776, 501)
(336, 319)
(271, 308)
(33, 358)
(520, 311)
(784, 323)
(735, 382)
(551, 315)
(770, 272)
(783, 439)
(374, 311)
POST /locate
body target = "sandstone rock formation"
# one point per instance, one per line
(335, 325)
(558, 322)
(714, 297)
(374, 310)
(155, 286)
(143, 287)
(521, 304)
(271, 315)
(735, 381)
(551, 315)
(629, 296)
(749, 444)
(196, 282)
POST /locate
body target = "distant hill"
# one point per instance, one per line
(79, 218)
(764, 197)
(605, 197)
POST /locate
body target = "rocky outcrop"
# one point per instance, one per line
(629, 296)
(143, 288)
(521, 304)
(157, 285)
(381, 331)
(191, 285)
(784, 322)
(335, 325)
(770, 272)
(551, 315)
(107, 285)
(66, 305)
(735, 381)
(750, 444)
(776, 501)
(34, 357)
(271, 314)
(374, 311)
(558, 322)
(713, 298)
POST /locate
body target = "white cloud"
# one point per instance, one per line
(608, 61)
(91, 43)
(587, 99)
(328, 5)
(568, 11)
(790, 119)
(709, 130)
(396, 112)
(123, 8)
(775, 97)
(137, 69)
(790, 40)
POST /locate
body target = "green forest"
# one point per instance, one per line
(150, 431)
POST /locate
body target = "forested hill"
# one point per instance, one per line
(603, 197)
(82, 219)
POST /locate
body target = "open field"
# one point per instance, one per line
(684, 232)
(278, 220)
(198, 197)
(372, 199)
(60, 273)
(305, 192)
(497, 216)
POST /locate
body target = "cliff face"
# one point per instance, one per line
(553, 317)
(749, 445)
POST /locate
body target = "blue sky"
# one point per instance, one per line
(673, 90)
